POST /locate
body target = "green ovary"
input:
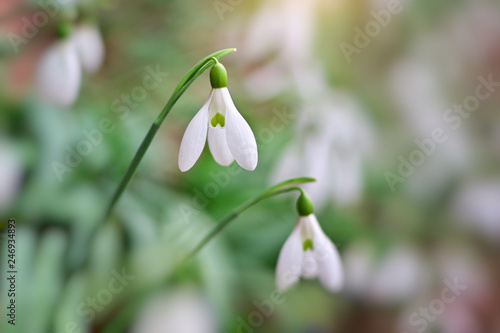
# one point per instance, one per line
(218, 119)
(308, 244)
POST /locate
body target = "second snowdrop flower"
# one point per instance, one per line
(229, 135)
(308, 253)
(90, 47)
(59, 74)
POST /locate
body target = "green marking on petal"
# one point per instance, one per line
(218, 119)
(308, 244)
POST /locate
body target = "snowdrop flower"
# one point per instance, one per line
(359, 265)
(229, 135)
(59, 74)
(309, 253)
(398, 276)
(90, 47)
(183, 310)
(401, 275)
(280, 38)
(423, 102)
(476, 207)
(335, 140)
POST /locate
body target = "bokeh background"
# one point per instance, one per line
(348, 119)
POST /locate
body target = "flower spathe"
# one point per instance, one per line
(229, 135)
(309, 253)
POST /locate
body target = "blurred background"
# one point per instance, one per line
(392, 105)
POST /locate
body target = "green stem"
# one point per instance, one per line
(284, 187)
(122, 320)
(186, 81)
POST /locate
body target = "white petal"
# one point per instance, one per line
(398, 277)
(59, 74)
(11, 175)
(90, 47)
(240, 138)
(359, 267)
(194, 138)
(309, 262)
(310, 268)
(217, 104)
(330, 270)
(289, 265)
(183, 309)
(218, 145)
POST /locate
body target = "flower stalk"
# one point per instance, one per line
(120, 323)
(284, 187)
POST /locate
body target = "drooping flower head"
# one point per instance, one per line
(90, 47)
(308, 253)
(229, 135)
(59, 74)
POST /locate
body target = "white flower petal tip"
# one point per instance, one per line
(309, 253)
(289, 262)
(90, 47)
(229, 136)
(58, 77)
(240, 138)
(218, 146)
(194, 138)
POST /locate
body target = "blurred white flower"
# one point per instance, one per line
(359, 264)
(59, 74)
(332, 135)
(397, 277)
(282, 26)
(282, 33)
(417, 90)
(229, 135)
(477, 206)
(180, 311)
(10, 175)
(90, 47)
(332, 140)
(309, 253)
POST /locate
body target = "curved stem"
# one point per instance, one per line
(186, 81)
(120, 322)
(284, 187)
